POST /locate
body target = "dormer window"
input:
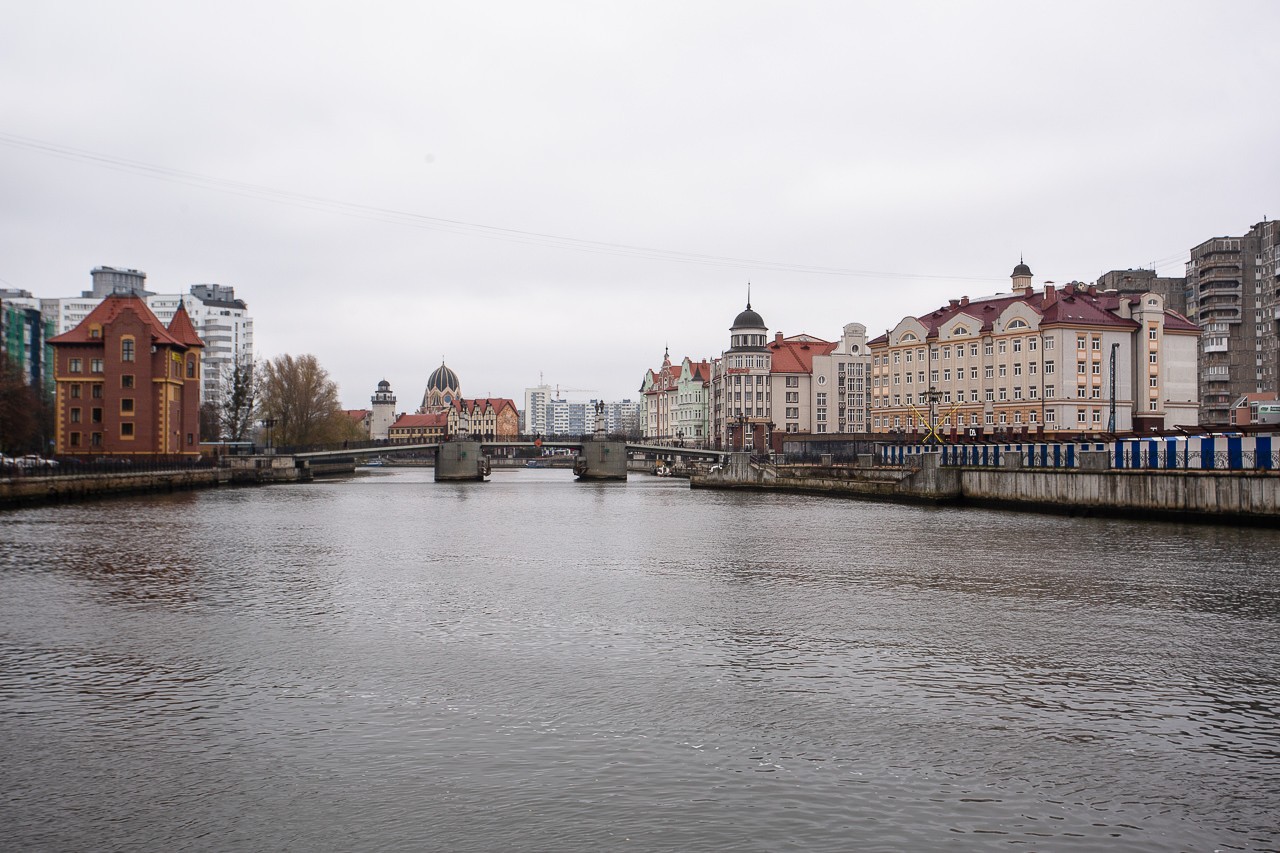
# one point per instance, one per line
(1017, 324)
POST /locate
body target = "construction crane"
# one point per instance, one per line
(573, 390)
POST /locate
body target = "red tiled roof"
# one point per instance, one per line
(1069, 306)
(180, 327)
(356, 414)
(1175, 322)
(475, 404)
(791, 355)
(440, 419)
(108, 310)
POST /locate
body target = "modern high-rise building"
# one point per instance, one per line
(534, 416)
(1233, 294)
(24, 338)
(223, 323)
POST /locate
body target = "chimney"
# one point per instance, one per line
(1050, 295)
(955, 303)
(964, 300)
(777, 338)
(1093, 290)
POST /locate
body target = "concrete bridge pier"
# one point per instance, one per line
(460, 460)
(601, 460)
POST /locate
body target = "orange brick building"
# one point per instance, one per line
(126, 385)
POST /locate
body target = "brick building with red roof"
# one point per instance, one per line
(1033, 362)
(126, 384)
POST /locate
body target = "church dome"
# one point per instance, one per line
(748, 319)
(442, 379)
(1021, 269)
(443, 389)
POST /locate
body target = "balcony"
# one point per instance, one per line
(1219, 268)
(1219, 285)
(1219, 313)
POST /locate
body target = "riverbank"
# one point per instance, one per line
(1232, 497)
(18, 492)
(21, 492)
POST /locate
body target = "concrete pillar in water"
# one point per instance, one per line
(601, 460)
(460, 460)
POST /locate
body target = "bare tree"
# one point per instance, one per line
(301, 401)
(238, 399)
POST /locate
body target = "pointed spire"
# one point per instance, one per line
(748, 296)
(182, 329)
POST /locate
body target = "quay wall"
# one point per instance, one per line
(1224, 495)
(1233, 496)
(30, 491)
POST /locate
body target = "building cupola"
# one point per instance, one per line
(748, 331)
(1021, 278)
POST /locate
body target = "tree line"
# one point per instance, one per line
(294, 395)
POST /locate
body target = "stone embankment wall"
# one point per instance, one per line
(29, 491)
(1227, 495)
(1247, 497)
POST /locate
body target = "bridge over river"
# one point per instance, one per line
(465, 459)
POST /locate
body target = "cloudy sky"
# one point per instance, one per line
(561, 190)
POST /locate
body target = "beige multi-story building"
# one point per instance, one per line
(1055, 361)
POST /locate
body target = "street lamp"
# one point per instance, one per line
(933, 395)
(269, 423)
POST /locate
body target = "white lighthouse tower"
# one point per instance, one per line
(384, 411)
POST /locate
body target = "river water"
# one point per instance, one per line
(529, 664)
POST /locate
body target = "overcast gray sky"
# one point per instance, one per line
(554, 189)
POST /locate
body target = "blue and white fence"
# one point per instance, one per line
(1204, 453)
(1196, 453)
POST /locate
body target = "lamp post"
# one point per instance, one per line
(1111, 422)
(933, 395)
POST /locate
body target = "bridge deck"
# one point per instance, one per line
(378, 450)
